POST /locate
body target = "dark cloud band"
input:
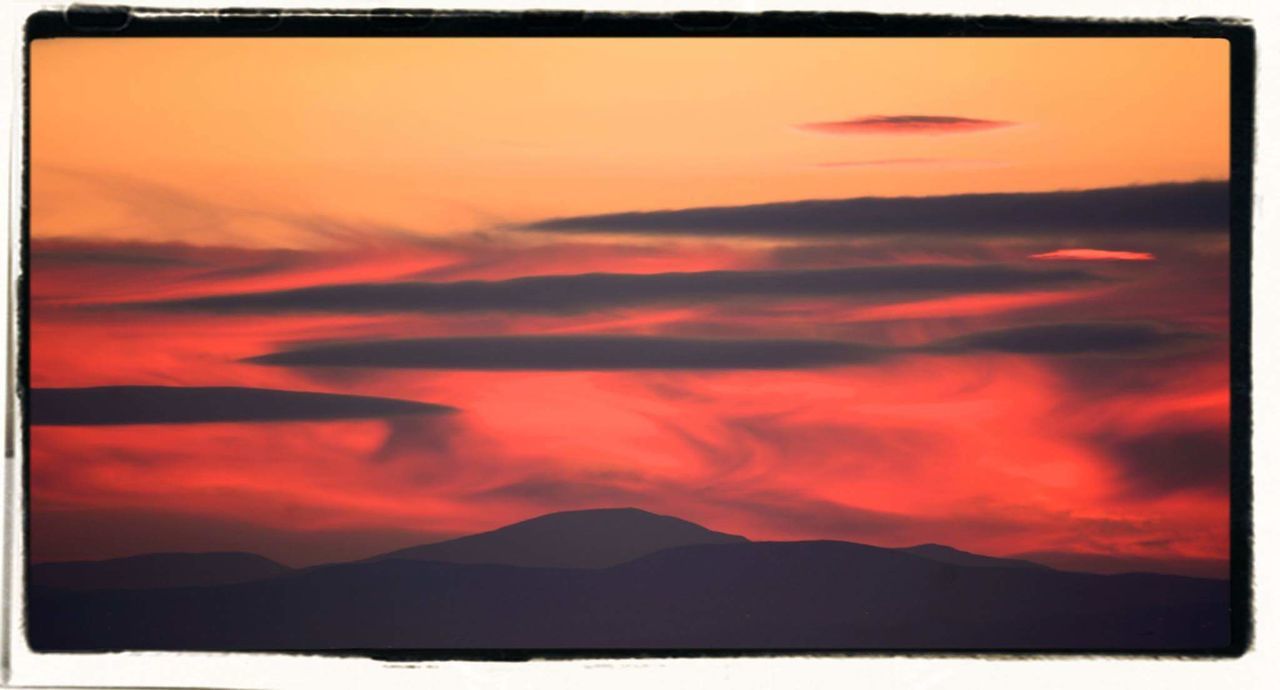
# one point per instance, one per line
(584, 292)
(110, 405)
(1193, 207)
(905, 124)
(612, 352)
(1167, 461)
(571, 353)
(1066, 339)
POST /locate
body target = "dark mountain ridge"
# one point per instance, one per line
(571, 587)
(596, 538)
(947, 554)
(747, 595)
(156, 570)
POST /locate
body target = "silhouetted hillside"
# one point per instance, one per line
(744, 595)
(156, 570)
(572, 539)
(947, 554)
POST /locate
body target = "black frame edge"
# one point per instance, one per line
(167, 22)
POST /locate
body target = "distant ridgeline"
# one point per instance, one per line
(618, 579)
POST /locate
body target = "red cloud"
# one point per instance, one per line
(905, 124)
(897, 454)
(1093, 255)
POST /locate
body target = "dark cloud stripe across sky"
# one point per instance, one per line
(1066, 339)
(110, 405)
(905, 124)
(613, 352)
(585, 292)
(575, 353)
(1191, 207)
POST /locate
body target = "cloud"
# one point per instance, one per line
(844, 253)
(80, 269)
(1187, 207)
(1093, 255)
(575, 353)
(160, 210)
(585, 292)
(626, 352)
(82, 253)
(111, 405)
(550, 490)
(1066, 339)
(1172, 460)
(436, 436)
(905, 124)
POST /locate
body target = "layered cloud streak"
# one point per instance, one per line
(890, 370)
(1179, 208)
(595, 291)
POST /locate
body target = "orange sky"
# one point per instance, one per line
(170, 169)
(435, 135)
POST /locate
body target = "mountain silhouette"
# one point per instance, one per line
(732, 595)
(156, 570)
(947, 554)
(596, 538)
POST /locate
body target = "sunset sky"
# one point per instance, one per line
(893, 291)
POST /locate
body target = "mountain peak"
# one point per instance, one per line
(620, 515)
(589, 538)
(586, 512)
(931, 546)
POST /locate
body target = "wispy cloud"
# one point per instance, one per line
(905, 124)
(1093, 255)
(1067, 339)
(113, 405)
(593, 291)
(625, 352)
(575, 353)
(135, 255)
(1179, 208)
(1170, 460)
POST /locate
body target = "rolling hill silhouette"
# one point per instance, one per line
(727, 594)
(947, 554)
(572, 539)
(156, 570)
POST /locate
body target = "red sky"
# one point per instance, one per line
(996, 399)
